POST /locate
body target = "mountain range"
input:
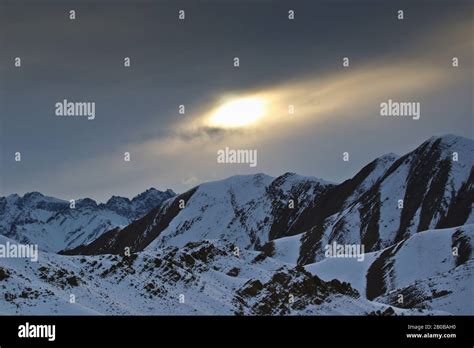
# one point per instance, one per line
(255, 244)
(54, 225)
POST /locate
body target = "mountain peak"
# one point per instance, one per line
(33, 195)
(117, 199)
(86, 202)
(153, 193)
(450, 139)
(34, 198)
(446, 145)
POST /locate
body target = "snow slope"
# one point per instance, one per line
(204, 278)
(345, 269)
(421, 267)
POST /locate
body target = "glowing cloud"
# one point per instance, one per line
(237, 113)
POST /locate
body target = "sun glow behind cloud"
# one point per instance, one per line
(326, 106)
(320, 102)
(313, 101)
(239, 112)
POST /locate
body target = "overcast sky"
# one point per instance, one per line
(190, 62)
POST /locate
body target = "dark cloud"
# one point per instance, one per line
(190, 63)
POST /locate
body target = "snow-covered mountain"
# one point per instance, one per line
(248, 210)
(54, 225)
(202, 278)
(430, 187)
(389, 199)
(255, 244)
(432, 269)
